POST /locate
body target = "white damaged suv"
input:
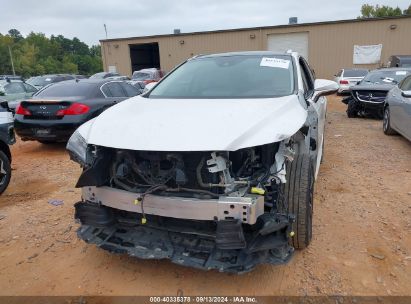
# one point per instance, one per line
(213, 168)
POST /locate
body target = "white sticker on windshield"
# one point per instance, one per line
(275, 63)
(401, 73)
(387, 79)
(48, 79)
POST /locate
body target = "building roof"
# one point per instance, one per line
(262, 27)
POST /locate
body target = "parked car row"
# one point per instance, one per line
(382, 94)
(368, 97)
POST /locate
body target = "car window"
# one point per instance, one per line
(339, 74)
(29, 88)
(115, 90)
(225, 76)
(14, 88)
(130, 90)
(308, 74)
(406, 84)
(355, 73)
(68, 89)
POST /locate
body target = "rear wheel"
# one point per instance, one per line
(298, 194)
(352, 109)
(386, 123)
(5, 171)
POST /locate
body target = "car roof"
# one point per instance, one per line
(247, 53)
(88, 80)
(392, 69)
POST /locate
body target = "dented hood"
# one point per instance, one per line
(195, 124)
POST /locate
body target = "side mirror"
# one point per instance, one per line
(323, 87)
(406, 94)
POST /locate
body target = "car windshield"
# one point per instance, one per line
(355, 73)
(67, 89)
(385, 77)
(40, 81)
(141, 76)
(237, 76)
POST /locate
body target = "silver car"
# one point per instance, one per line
(397, 110)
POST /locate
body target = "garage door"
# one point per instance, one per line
(298, 42)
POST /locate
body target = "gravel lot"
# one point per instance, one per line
(361, 245)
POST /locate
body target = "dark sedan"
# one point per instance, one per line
(368, 97)
(55, 112)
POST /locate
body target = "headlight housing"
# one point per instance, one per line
(77, 148)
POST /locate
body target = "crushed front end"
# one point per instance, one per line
(209, 210)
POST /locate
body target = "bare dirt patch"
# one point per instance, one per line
(361, 245)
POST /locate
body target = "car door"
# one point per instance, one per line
(320, 107)
(402, 111)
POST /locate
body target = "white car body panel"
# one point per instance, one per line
(195, 124)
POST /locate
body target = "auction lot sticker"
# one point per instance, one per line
(275, 62)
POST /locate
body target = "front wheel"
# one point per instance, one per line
(298, 194)
(386, 123)
(5, 172)
(352, 109)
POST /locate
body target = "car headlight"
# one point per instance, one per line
(77, 148)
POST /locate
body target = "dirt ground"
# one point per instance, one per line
(361, 243)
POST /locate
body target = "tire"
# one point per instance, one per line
(386, 123)
(5, 172)
(352, 109)
(298, 199)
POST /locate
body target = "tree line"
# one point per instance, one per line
(37, 54)
(371, 11)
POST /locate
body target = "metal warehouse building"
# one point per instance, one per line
(328, 46)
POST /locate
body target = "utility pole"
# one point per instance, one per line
(105, 29)
(12, 64)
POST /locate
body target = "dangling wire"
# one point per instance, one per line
(140, 200)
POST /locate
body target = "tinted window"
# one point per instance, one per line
(355, 73)
(406, 84)
(115, 89)
(14, 88)
(225, 76)
(41, 81)
(67, 89)
(29, 88)
(385, 76)
(130, 90)
(307, 76)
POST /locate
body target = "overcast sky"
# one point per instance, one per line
(125, 18)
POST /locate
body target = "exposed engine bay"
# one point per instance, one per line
(202, 174)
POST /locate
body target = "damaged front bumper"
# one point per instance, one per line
(212, 239)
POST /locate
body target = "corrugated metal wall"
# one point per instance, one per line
(330, 45)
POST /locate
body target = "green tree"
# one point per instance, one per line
(16, 35)
(370, 11)
(37, 54)
(407, 11)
